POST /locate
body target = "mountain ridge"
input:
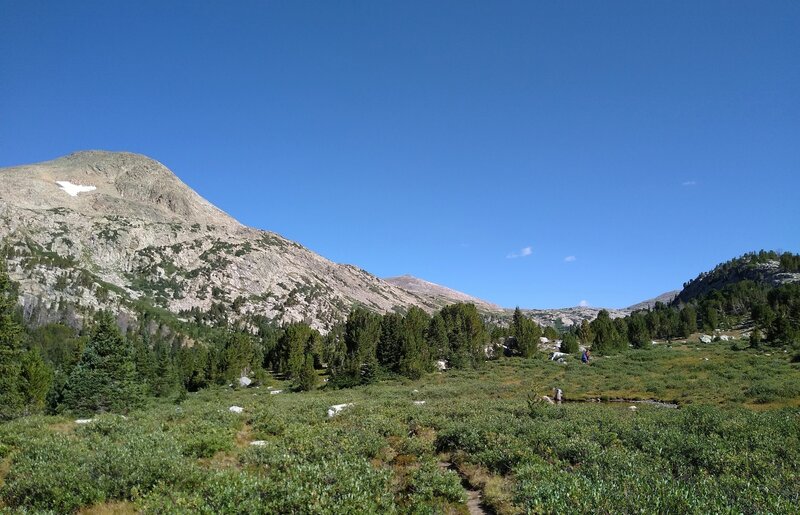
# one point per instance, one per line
(142, 233)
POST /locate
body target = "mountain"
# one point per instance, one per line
(437, 294)
(664, 298)
(765, 268)
(95, 230)
(568, 317)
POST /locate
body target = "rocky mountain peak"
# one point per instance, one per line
(100, 183)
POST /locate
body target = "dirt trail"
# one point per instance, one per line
(474, 497)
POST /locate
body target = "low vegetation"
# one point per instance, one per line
(676, 426)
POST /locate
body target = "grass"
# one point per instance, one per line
(733, 445)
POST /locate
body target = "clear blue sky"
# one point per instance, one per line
(648, 140)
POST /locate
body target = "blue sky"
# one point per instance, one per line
(530, 153)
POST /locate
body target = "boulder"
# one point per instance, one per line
(275, 392)
(441, 365)
(336, 408)
(245, 381)
(557, 356)
(705, 338)
(236, 409)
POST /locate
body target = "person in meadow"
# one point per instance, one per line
(559, 395)
(585, 357)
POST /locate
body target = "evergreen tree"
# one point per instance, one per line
(550, 333)
(298, 339)
(105, 379)
(569, 343)
(307, 378)
(466, 334)
(165, 380)
(526, 334)
(24, 377)
(638, 334)
(437, 337)
(362, 332)
(415, 357)
(585, 333)
(688, 321)
(240, 355)
(606, 338)
(390, 345)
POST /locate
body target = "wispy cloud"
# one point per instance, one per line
(689, 183)
(583, 303)
(570, 259)
(525, 252)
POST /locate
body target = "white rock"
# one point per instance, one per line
(725, 337)
(419, 403)
(544, 339)
(441, 364)
(236, 409)
(245, 381)
(336, 408)
(557, 355)
(258, 443)
(632, 408)
(705, 338)
(548, 399)
(275, 392)
(84, 421)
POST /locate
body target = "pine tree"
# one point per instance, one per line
(415, 357)
(307, 378)
(569, 343)
(638, 334)
(391, 341)
(437, 337)
(24, 377)
(585, 333)
(606, 338)
(362, 332)
(105, 379)
(165, 380)
(526, 334)
(688, 321)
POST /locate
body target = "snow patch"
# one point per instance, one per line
(73, 189)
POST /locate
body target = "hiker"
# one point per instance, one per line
(585, 357)
(559, 395)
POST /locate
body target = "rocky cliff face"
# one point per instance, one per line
(106, 229)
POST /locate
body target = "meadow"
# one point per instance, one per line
(732, 445)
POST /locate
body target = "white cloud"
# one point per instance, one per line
(689, 183)
(525, 252)
(570, 259)
(583, 303)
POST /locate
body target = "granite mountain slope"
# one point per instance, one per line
(103, 229)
